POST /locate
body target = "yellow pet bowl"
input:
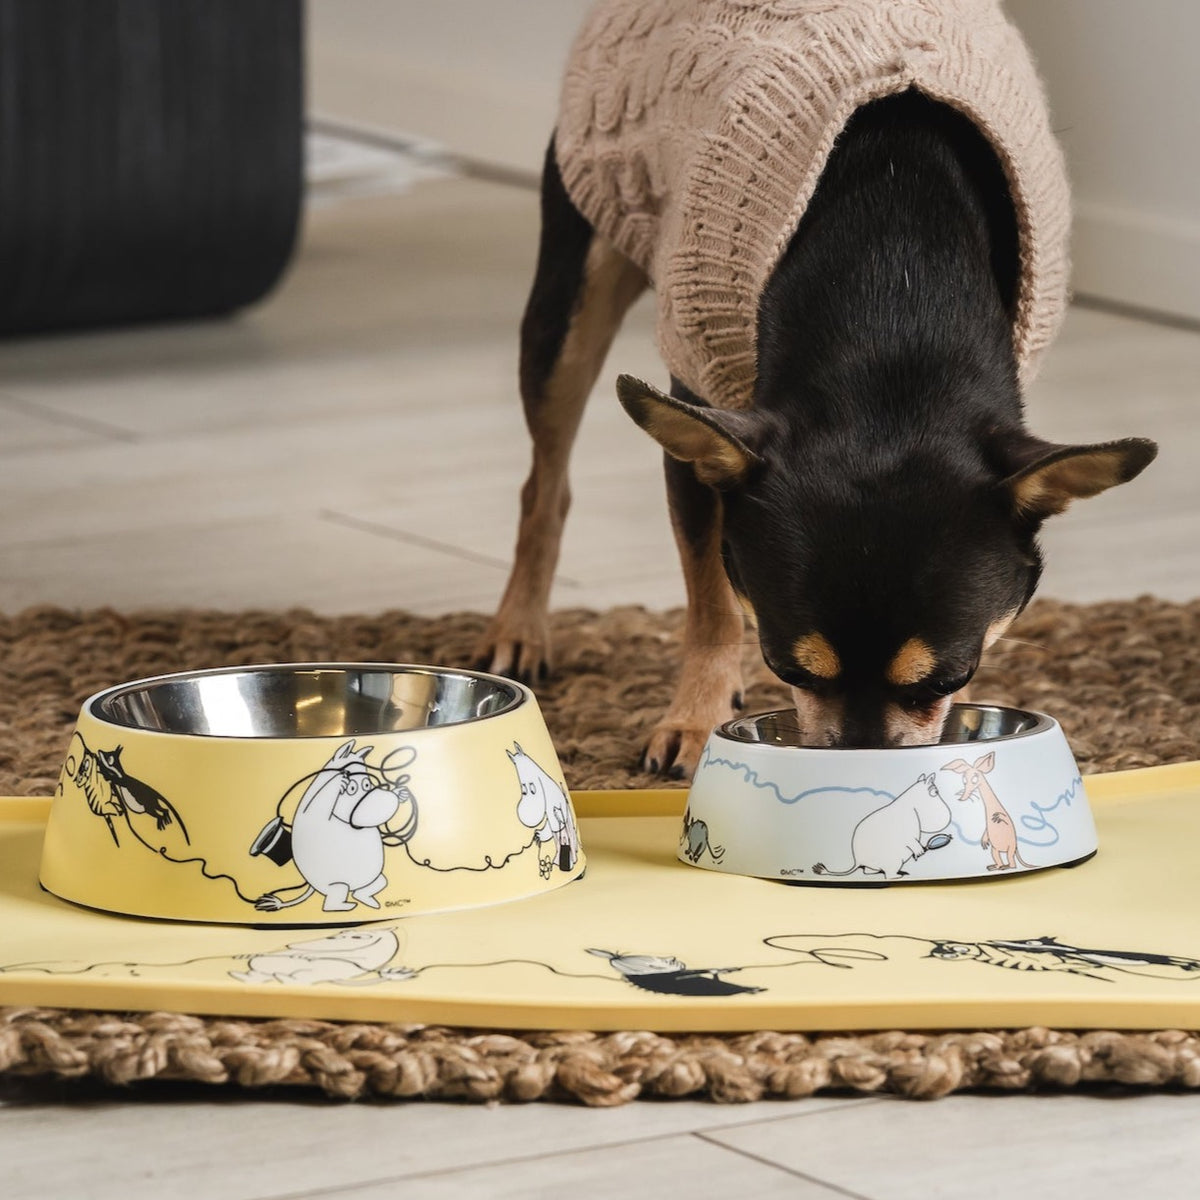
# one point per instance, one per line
(309, 794)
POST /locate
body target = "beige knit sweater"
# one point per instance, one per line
(692, 134)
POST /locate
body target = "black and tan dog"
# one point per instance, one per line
(875, 510)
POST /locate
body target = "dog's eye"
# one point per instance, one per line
(806, 681)
(947, 687)
(931, 691)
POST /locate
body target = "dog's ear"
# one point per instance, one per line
(719, 443)
(1043, 478)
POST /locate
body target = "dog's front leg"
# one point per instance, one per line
(581, 291)
(710, 683)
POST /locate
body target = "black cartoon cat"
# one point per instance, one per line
(135, 796)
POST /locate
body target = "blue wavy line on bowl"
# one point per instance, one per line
(1039, 820)
(1036, 823)
(751, 777)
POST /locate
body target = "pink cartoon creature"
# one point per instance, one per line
(999, 832)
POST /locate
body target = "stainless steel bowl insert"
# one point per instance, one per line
(306, 700)
(965, 723)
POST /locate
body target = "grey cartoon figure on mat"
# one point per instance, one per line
(898, 833)
(544, 807)
(337, 837)
(349, 956)
(999, 832)
(669, 976)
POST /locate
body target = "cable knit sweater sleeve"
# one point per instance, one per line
(692, 134)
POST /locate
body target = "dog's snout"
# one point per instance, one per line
(836, 723)
(863, 732)
(818, 718)
(917, 727)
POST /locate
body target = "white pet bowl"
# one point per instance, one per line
(1000, 794)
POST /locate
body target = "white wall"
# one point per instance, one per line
(1124, 91)
(482, 76)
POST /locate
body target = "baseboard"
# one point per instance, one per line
(1137, 259)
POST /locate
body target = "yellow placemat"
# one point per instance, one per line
(645, 942)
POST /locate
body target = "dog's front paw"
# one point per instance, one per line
(710, 689)
(674, 749)
(517, 650)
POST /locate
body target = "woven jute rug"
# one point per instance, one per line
(1123, 678)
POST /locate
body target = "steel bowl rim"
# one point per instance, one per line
(520, 697)
(1043, 724)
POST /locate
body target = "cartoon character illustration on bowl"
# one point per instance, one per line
(337, 834)
(696, 840)
(544, 807)
(113, 794)
(999, 832)
(899, 832)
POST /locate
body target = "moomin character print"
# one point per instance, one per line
(349, 956)
(338, 834)
(898, 833)
(999, 832)
(544, 808)
(696, 840)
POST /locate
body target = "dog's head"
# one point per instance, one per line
(878, 574)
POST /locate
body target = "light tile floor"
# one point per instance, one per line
(355, 444)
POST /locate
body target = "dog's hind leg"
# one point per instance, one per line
(582, 289)
(710, 683)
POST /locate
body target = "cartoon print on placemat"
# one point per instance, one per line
(544, 808)
(350, 956)
(1033, 955)
(695, 840)
(668, 975)
(897, 833)
(664, 974)
(367, 956)
(113, 794)
(999, 832)
(1049, 954)
(341, 825)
